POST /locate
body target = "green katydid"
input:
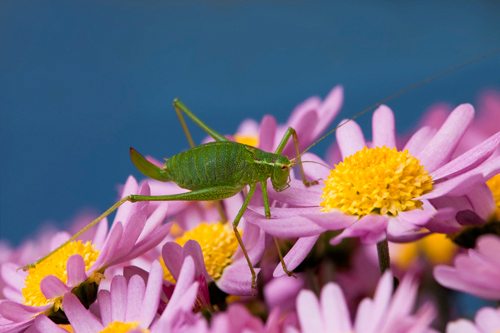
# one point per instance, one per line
(228, 167)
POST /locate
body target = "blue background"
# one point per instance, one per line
(82, 81)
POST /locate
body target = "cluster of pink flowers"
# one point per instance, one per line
(429, 200)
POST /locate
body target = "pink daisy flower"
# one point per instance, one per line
(351, 206)
(228, 267)
(487, 320)
(79, 265)
(476, 272)
(130, 304)
(385, 313)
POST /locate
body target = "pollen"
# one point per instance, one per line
(376, 181)
(55, 265)
(218, 244)
(251, 140)
(118, 327)
(494, 185)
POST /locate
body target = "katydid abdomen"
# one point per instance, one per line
(218, 164)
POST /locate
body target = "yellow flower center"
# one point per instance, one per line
(55, 265)
(376, 181)
(436, 248)
(218, 244)
(494, 185)
(117, 327)
(251, 140)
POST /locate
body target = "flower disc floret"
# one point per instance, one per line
(55, 265)
(494, 185)
(118, 327)
(218, 244)
(376, 181)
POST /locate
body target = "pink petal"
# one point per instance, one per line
(81, 319)
(296, 255)
(148, 242)
(329, 109)
(104, 301)
(45, 325)
(313, 171)
(186, 277)
(281, 292)
(172, 256)
(236, 279)
(370, 228)
(154, 221)
(130, 271)
(419, 140)
(309, 312)
(152, 295)
(488, 319)
(19, 312)
(135, 295)
(468, 160)
(441, 147)
(297, 226)
(254, 240)
(332, 220)
(383, 127)
(131, 187)
(310, 104)
(350, 138)
(489, 245)
(75, 268)
(464, 183)
(118, 298)
(12, 276)
(192, 248)
(447, 276)
(482, 201)
(297, 194)
(267, 132)
(52, 287)
(381, 299)
(334, 309)
(109, 247)
(133, 229)
(302, 127)
(100, 234)
(461, 326)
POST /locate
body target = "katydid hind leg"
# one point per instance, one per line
(179, 106)
(208, 194)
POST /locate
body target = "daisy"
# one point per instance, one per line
(387, 312)
(79, 267)
(477, 272)
(381, 193)
(217, 259)
(487, 320)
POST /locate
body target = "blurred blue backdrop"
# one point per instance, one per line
(82, 81)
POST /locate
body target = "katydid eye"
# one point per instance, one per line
(284, 167)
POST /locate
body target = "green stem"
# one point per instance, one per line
(383, 256)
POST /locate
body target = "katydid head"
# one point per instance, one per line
(281, 173)
(147, 168)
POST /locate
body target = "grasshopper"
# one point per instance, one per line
(221, 169)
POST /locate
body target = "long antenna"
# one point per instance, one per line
(432, 78)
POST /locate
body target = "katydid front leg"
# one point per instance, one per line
(291, 132)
